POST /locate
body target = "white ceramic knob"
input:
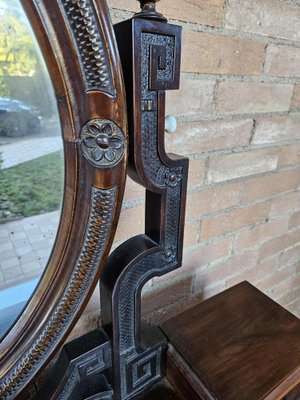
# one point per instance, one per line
(170, 124)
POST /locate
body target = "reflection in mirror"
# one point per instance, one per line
(31, 163)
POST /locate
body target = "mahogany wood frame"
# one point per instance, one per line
(89, 89)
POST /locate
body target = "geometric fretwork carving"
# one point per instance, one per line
(150, 54)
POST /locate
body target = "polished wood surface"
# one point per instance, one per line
(88, 85)
(238, 345)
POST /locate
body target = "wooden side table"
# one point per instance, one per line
(238, 345)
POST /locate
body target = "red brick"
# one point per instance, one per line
(255, 274)
(188, 302)
(212, 54)
(285, 204)
(291, 256)
(294, 308)
(276, 130)
(294, 221)
(206, 254)
(289, 155)
(166, 313)
(273, 18)
(124, 5)
(269, 284)
(133, 191)
(201, 203)
(238, 165)
(295, 106)
(131, 223)
(279, 244)
(196, 173)
(267, 267)
(209, 291)
(245, 97)
(233, 221)
(225, 269)
(194, 97)
(199, 137)
(207, 12)
(284, 287)
(266, 186)
(288, 298)
(260, 234)
(162, 296)
(282, 61)
(191, 234)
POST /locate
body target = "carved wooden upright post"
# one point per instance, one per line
(150, 54)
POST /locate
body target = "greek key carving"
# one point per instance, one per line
(137, 367)
(84, 366)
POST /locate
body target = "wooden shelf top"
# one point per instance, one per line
(238, 345)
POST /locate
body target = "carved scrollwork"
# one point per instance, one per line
(103, 142)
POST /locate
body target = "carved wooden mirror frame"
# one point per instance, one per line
(77, 42)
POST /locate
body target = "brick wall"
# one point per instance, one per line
(238, 111)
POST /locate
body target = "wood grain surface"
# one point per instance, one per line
(238, 345)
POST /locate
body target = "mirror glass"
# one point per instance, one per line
(31, 163)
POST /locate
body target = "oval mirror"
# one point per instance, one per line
(77, 42)
(30, 155)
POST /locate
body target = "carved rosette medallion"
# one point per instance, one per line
(103, 143)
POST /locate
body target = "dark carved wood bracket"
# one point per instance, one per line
(150, 55)
(122, 360)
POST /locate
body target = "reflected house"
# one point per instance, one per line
(30, 155)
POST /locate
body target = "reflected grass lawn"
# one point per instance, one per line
(32, 188)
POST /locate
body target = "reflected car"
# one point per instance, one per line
(18, 119)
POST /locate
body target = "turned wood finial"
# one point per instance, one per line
(148, 10)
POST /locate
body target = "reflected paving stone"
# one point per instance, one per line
(9, 263)
(10, 273)
(5, 255)
(42, 253)
(23, 250)
(26, 244)
(5, 247)
(36, 238)
(29, 257)
(41, 244)
(3, 233)
(4, 238)
(18, 236)
(32, 267)
(21, 243)
(32, 231)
